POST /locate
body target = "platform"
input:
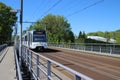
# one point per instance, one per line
(7, 65)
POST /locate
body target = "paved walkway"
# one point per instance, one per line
(7, 65)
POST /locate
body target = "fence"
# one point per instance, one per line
(18, 68)
(2, 47)
(93, 47)
(43, 67)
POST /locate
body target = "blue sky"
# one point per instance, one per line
(104, 16)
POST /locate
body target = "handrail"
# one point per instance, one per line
(18, 71)
(2, 47)
(29, 60)
(107, 49)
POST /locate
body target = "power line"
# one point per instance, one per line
(85, 8)
(38, 8)
(71, 4)
(68, 15)
(51, 7)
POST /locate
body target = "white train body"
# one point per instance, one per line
(35, 39)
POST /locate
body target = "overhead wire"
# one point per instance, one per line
(100, 1)
(37, 9)
(54, 5)
(70, 6)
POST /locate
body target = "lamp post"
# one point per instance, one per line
(21, 18)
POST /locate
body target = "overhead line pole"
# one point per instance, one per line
(21, 18)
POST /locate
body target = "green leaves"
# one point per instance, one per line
(7, 20)
(57, 28)
(113, 34)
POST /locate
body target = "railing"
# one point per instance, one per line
(42, 67)
(18, 70)
(2, 47)
(93, 47)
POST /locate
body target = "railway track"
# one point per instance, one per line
(94, 66)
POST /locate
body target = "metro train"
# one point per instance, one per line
(35, 39)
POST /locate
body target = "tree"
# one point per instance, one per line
(80, 34)
(69, 37)
(7, 20)
(81, 37)
(57, 28)
(84, 35)
(107, 35)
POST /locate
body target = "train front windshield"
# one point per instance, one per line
(39, 36)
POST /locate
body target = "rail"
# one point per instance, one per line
(2, 47)
(36, 63)
(18, 70)
(92, 47)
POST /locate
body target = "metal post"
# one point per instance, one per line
(91, 47)
(27, 56)
(21, 15)
(38, 71)
(84, 47)
(30, 61)
(77, 77)
(110, 49)
(49, 69)
(100, 49)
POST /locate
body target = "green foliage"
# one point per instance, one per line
(7, 20)
(80, 40)
(114, 35)
(81, 37)
(80, 34)
(57, 28)
(99, 33)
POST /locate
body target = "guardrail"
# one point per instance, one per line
(18, 69)
(2, 51)
(2, 47)
(42, 67)
(93, 47)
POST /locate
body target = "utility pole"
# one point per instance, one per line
(21, 18)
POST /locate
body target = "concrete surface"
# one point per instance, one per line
(7, 65)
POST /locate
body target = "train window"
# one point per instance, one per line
(39, 38)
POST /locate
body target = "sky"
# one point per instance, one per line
(83, 15)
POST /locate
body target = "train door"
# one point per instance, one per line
(30, 39)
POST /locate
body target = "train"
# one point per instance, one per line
(35, 39)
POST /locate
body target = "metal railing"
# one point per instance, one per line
(18, 69)
(92, 47)
(2, 47)
(43, 67)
